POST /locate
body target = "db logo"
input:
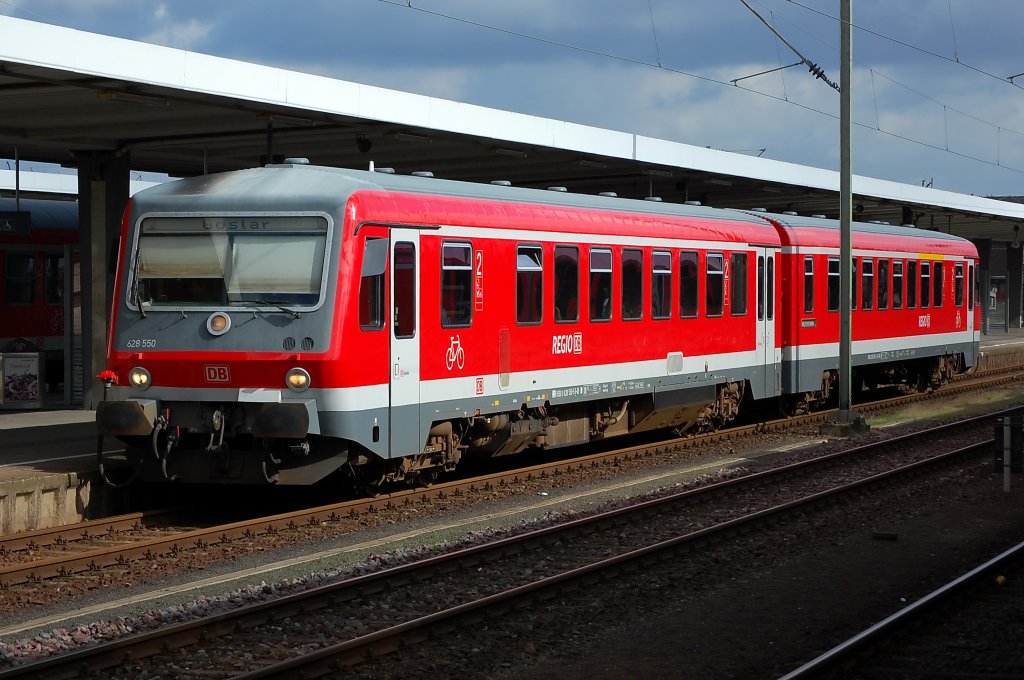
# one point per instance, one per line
(219, 374)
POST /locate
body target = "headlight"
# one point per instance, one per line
(219, 323)
(297, 379)
(139, 377)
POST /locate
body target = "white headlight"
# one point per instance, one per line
(297, 379)
(139, 378)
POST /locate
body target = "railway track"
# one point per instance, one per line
(101, 549)
(966, 629)
(433, 599)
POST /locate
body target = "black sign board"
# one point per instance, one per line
(15, 222)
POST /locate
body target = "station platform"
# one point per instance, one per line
(48, 473)
(47, 469)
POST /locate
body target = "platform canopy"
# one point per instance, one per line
(65, 93)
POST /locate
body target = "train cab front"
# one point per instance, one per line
(216, 349)
(220, 442)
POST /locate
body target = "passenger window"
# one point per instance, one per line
(897, 284)
(760, 287)
(853, 284)
(456, 285)
(911, 284)
(600, 284)
(808, 285)
(771, 287)
(567, 283)
(925, 284)
(958, 285)
(689, 284)
(833, 284)
(661, 285)
(867, 283)
(937, 285)
(714, 284)
(883, 284)
(972, 291)
(632, 284)
(21, 278)
(53, 293)
(738, 284)
(529, 284)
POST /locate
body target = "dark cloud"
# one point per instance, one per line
(596, 62)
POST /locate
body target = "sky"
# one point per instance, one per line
(933, 103)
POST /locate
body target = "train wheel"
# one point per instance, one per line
(368, 479)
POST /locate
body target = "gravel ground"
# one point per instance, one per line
(750, 614)
(764, 614)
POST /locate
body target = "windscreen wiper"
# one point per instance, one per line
(137, 296)
(277, 306)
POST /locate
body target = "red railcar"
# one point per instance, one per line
(283, 323)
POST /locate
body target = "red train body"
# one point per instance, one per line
(283, 323)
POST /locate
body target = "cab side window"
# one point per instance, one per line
(371, 284)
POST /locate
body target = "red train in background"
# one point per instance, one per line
(36, 239)
(291, 322)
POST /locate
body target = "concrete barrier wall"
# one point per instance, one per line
(43, 502)
(1002, 358)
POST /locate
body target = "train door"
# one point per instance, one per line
(768, 355)
(404, 420)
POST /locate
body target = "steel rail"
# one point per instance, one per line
(70, 533)
(913, 612)
(113, 653)
(172, 545)
(334, 658)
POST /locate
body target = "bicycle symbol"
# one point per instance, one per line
(455, 354)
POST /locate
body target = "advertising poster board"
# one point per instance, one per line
(22, 380)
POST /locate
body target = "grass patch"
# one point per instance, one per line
(953, 407)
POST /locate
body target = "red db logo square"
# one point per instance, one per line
(218, 374)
